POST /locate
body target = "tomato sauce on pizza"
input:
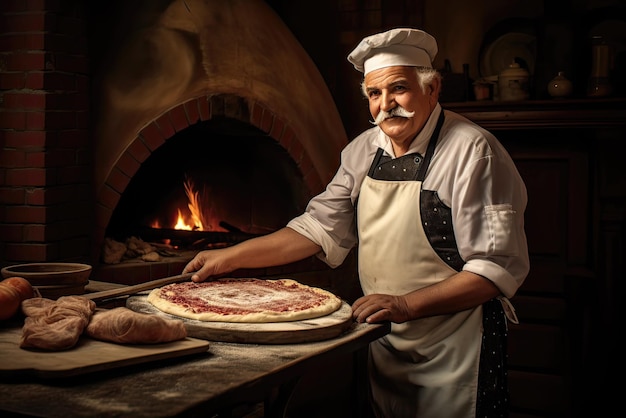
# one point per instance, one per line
(245, 300)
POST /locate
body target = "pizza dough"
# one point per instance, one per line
(122, 326)
(55, 325)
(244, 300)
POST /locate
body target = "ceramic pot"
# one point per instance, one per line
(513, 83)
(560, 86)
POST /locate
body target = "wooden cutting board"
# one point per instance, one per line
(87, 356)
(308, 330)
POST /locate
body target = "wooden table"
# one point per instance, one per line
(211, 384)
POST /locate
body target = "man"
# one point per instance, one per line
(436, 207)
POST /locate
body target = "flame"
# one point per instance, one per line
(180, 223)
(193, 205)
(198, 218)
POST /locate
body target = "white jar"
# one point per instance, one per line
(513, 83)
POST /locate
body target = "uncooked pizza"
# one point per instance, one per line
(245, 300)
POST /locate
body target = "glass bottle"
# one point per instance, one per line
(599, 84)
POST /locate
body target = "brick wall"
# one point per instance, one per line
(45, 190)
(72, 135)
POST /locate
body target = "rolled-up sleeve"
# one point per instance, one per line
(489, 198)
(329, 219)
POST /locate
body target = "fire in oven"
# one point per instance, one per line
(213, 184)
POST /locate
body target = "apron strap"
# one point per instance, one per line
(430, 151)
(509, 310)
(375, 163)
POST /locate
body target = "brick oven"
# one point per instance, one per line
(106, 107)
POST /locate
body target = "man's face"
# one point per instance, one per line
(390, 87)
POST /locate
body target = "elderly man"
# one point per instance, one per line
(436, 207)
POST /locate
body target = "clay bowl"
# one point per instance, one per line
(52, 279)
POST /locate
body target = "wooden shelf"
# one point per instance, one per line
(532, 114)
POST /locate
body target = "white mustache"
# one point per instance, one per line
(396, 111)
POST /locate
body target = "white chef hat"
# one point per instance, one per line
(402, 46)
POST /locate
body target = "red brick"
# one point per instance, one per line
(287, 138)
(59, 81)
(75, 248)
(61, 101)
(118, 180)
(26, 61)
(277, 128)
(25, 139)
(71, 63)
(34, 80)
(35, 120)
(103, 215)
(31, 252)
(35, 233)
(178, 117)
(11, 6)
(74, 174)
(256, 117)
(31, 100)
(204, 107)
(138, 150)
(72, 228)
(193, 114)
(73, 138)
(59, 120)
(13, 120)
(66, 193)
(12, 196)
(165, 125)
(266, 121)
(13, 159)
(11, 232)
(36, 196)
(152, 136)
(25, 22)
(60, 157)
(296, 151)
(36, 159)
(26, 214)
(12, 81)
(108, 197)
(74, 210)
(22, 41)
(128, 165)
(26, 177)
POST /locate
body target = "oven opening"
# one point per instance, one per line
(213, 184)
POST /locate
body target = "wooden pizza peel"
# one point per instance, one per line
(87, 356)
(309, 330)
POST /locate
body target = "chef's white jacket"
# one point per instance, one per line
(472, 174)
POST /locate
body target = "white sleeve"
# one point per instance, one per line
(490, 200)
(329, 219)
(332, 253)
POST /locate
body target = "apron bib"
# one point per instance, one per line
(426, 367)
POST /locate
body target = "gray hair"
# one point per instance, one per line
(425, 77)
